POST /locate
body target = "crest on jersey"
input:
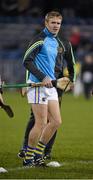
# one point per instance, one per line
(60, 50)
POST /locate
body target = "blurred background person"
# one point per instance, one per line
(75, 37)
(87, 75)
(1, 98)
(84, 82)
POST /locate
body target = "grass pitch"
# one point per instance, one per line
(73, 146)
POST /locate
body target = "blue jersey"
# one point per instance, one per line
(46, 58)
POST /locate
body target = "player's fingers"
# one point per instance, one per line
(23, 91)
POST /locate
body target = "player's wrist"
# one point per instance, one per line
(1, 92)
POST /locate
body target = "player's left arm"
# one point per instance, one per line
(70, 59)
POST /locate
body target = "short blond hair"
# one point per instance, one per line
(52, 14)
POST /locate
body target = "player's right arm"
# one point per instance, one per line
(29, 58)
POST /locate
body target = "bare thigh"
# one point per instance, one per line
(40, 113)
(54, 112)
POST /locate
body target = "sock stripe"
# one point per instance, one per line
(29, 153)
(41, 145)
(37, 152)
(40, 150)
(38, 147)
(30, 150)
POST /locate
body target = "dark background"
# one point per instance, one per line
(82, 8)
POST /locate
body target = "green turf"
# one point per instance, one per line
(73, 147)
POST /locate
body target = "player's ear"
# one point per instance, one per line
(46, 23)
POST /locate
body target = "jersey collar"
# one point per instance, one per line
(48, 33)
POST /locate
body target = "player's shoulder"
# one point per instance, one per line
(64, 40)
(38, 38)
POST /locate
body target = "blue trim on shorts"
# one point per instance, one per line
(38, 94)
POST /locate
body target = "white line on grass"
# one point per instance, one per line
(78, 162)
(64, 163)
(6, 170)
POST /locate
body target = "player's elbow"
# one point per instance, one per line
(26, 64)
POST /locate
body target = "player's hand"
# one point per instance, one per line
(47, 82)
(1, 98)
(23, 91)
(72, 86)
(91, 92)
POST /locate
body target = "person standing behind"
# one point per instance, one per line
(1, 98)
(40, 60)
(87, 75)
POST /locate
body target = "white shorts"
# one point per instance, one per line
(41, 95)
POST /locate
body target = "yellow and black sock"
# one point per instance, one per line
(29, 152)
(40, 149)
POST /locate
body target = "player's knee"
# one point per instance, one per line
(58, 123)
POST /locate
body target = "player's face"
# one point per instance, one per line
(53, 25)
